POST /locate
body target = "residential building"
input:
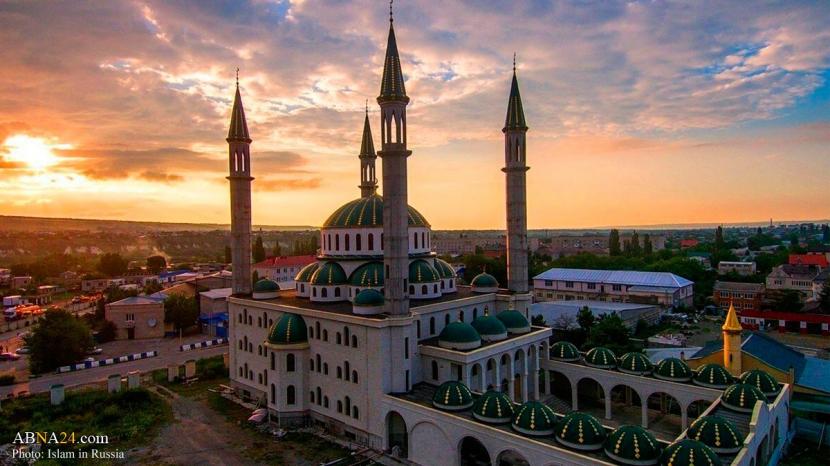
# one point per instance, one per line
(744, 296)
(282, 269)
(5, 277)
(793, 277)
(741, 268)
(20, 282)
(137, 317)
(569, 245)
(688, 243)
(563, 314)
(621, 286)
(811, 259)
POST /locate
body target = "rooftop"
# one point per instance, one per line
(722, 285)
(618, 277)
(433, 341)
(286, 261)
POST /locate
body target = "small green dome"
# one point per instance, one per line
(290, 329)
(444, 269)
(580, 431)
(369, 297)
(489, 327)
(601, 357)
(459, 335)
(674, 370)
(742, 397)
(304, 275)
(718, 433)
(452, 396)
(635, 363)
(367, 212)
(421, 272)
(632, 445)
(564, 351)
(330, 273)
(368, 274)
(534, 418)
(493, 407)
(689, 453)
(713, 376)
(266, 285)
(762, 381)
(514, 321)
(485, 281)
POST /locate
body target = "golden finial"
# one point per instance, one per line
(514, 62)
(237, 77)
(367, 107)
(390, 12)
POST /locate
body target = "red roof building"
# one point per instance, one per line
(688, 243)
(282, 268)
(819, 260)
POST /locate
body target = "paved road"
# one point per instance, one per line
(166, 356)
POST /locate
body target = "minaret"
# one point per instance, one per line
(732, 342)
(393, 154)
(515, 168)
(368, 179)
(239, 156)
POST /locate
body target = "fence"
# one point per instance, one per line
(107, 362)
(203, 344)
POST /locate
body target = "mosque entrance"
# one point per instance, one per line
(473, 453)
(396, 440)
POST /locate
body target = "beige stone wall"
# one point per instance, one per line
(142, 315)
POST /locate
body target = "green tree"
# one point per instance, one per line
(614, 242)
(57, 340)
(107, 332)
(255, 276)
(719, 243)
(825, 233)
(585, 319)
(635, 244)
(648, 248)
(156, 264)
(112, 264)
(627, 248)
(182, 311)
(277, 251)
(152, 287)
(259, 250)
(228, 256)
(784, 300)
(610, 332)
(824, 296)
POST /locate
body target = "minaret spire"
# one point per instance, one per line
(368, 178)
(515, 169)
(239, 168)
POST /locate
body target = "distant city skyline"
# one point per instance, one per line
(640, 114)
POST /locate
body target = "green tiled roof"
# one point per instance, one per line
(761, 380)
(484, 280)
(632, 445)
(266, 286)
(305, 274)
(369, 297)
(718, 433)
(601, 357)
(459, 332)
(368, 274)
(392, 85)
(421, 272)
(493, 407)
(330, 273)
(444, 269)
(534, 418)
(489, 325)
(673, 369)
(564, 351)
(368, 212)
(689, 453)
(713, 376)
(452, 396)
(580, 431)
(635, 363)
(742, 397)
(290, 329)
(514, 321)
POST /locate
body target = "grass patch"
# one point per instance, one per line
(129, 418)
(209, 371)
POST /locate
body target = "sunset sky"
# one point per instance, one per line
(639, 112)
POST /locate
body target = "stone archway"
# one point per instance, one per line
(696, 409)
(591, 397)
(472, 452)
(559, 387)
(397, 440)
(511, 458)
(626, 405)
(429, 433)
(664, 414)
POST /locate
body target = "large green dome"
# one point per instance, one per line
(632, 445)
(459, 335)
(580, 431)
(514, 321)
(367, 212)
(452, 396)
(304, 275)
(742, 397)
(444, 269)
(635, 363)
(601, 357)
(484, 282)
(674, 370)
(330, 273)
(713, 376)
(369, 297)
(689, 453)
(289, 330)
(493, 407)
(489, 327)
(369, 274)
(266, 285)
(534, 418)
(421, 272)
(564, 351)
(718, 433)
(762, 381)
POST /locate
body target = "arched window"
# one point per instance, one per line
(240, 344)
(273, 394)
(475, 313)
(358, 245)
(324, 292)
(319, 397)
(381, 240)
(338, 338)
(354, 376)
(434, 370)
(239, 318)
(302, 288)
(290, 363)
(318, 363)
(371, 242)
(355, 413)
(339, 406)
(446, 319)
(290, 396)
(435, 288)
(310, 331)
(347, 241)
(273, 362)
(325, 368)
(348, 403)
(325, 401)
(339, 372)
(451, 282)
(345, 335)
(313, 291)
(418, 329)
(325, 335)
(415, 235)
(424, 290)
(461, 316)
(311, 395)
(337, 292)
(311, 364)
(354, 341)
(346, 370)
(423, 242)
(317, 328)
(432, 326)
(411, 289)
(337, 242)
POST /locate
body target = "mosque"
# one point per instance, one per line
(379, 344)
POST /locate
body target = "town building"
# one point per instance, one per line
(379, 345)
(793, 277)
(569, 245)
(740, 268)
(5, 277)
(459, 244)
(282, 269)
(562, 314)
(137, 317)
(810, 259)
(688, 243)
(819, 282)
(619, 286)
(21, 281)
(744, 296)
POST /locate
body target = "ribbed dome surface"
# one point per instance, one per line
(534, 418)
(290, 329)
(632, 445)
(742, 397)
(452, 396)
(330, 273)
(493, 407)
(489, 326)
(514, 321)
(367, 212)
(484, 280)
(369, 297)
(580, 431)
(266, 285)
(564, 351)
(444, 269)
(368, 274)
(718, 433)
(421, 272)
(459, 335)
(601, 357)
(635, 363)
(674, 370)
(762, 381)
(689, 453)
(713, 376)
(305, 274)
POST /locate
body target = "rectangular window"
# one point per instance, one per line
(407, 380)
(406, 348)
(548, 282)
(569, 284)
(592, 286)
(616, 287)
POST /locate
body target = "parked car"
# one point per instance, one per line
(9, 357)
(23, 350)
